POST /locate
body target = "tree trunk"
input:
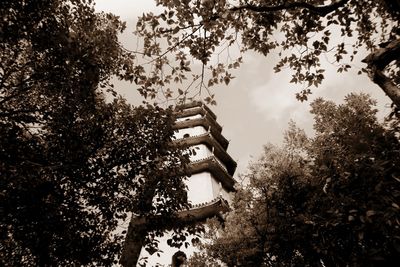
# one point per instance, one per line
(133, 244)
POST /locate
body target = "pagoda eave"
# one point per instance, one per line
(201, 212)
(212, 165)
(208, 124)
(197, 213)
(188, 109)
(210, 141)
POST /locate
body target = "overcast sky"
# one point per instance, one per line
(257, 105)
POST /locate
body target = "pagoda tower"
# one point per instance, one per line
(210, 183)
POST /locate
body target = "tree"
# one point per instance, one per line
(360, 169)
(300, 31)
(73, 165)
(330, 200)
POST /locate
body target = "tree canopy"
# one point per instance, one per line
(73, 165)
(301, 32)
(330, 200)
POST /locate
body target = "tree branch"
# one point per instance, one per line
(377, 61)
(383, 56)
(175, 45)
(386, 84)
(320, 10)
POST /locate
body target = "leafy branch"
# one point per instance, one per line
(320, 10)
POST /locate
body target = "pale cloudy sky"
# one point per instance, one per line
(257, 105)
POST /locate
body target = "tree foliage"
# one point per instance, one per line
(301, 32)
(74, 165)
(330, 200)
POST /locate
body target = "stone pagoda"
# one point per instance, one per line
(210, 183)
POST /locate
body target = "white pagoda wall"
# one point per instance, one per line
(199, 186)
(201, 152)
(193, 131)
(218, 190)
